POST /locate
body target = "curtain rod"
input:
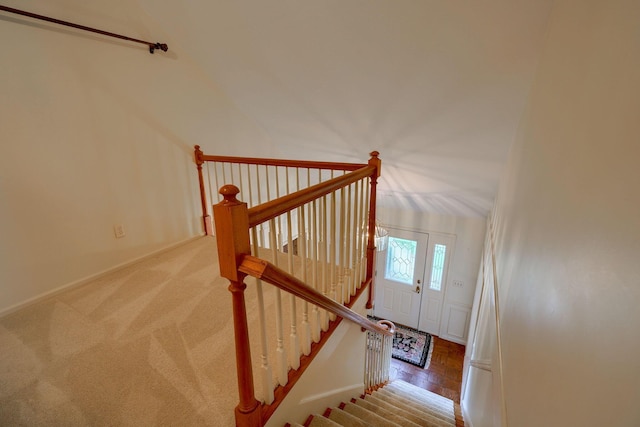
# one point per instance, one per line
(152, 46)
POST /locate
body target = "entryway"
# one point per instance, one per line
(411, 277)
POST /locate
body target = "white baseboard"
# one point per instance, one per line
(87, 279)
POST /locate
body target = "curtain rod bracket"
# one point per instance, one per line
(162, 46)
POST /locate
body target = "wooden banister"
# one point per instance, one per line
(233, 222)
(375, 163)
(206, 219)
(286, 163)
(269, 273)
(232, 235)
(276, 207)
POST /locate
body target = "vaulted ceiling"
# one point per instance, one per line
(437, 87)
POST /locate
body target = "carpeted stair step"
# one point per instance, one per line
(414, 399)
(396, 417)
(404, 387)
(368, 416)
(320, 421)
(417, 414)
(420, 408)
(346, 419)
(398, 404)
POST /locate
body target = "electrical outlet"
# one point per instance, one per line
(118, 230)
(458, 283)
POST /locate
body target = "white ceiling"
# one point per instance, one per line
(437, 87)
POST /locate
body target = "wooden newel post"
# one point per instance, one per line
(371, 231)
(206, 218)
(232, 235)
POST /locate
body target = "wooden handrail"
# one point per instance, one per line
(276, 207)
(391, 327)
(233, 221)
(269, 273)
(286, 163)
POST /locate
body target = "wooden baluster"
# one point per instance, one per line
(281, 354)
(265, 368)
(362, 234)
(347, 248)
(268, 198)
(354, 237)
(250, 203)
(215, 175)
(372, 367)
(366, 362)
(280, 228)
(294, 341)
(263, 241)
(224, 175)
(365, 229)
(361, 229)
(323, 262)
(332, 252)
(302, 252)
(232, 235)
(240, 184)
(342, 289)
(371, 246)
(213, 195)
(315, 312)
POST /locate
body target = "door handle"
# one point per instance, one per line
(417, 291)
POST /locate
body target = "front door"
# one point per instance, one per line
(400, 276)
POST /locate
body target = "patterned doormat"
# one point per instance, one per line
(410, 345)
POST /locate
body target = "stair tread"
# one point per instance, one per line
(424, 399)
(386, 414)
(397, 404)
(346, 419)
(417, 391)
(406, 402)
(415, 414)
(368, 416)
(320, 421)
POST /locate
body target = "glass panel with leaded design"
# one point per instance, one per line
(401, 260)
(439, 252)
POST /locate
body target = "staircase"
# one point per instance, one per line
(397, 404)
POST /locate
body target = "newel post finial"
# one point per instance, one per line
(198, 155)
(375, 161)
(229, 192)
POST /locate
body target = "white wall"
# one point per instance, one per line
(469, 235)
(567, 229)
(96, 132)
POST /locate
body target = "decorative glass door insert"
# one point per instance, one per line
(401, 260)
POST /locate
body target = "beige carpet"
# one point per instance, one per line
(398, 404)
(151, 344)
